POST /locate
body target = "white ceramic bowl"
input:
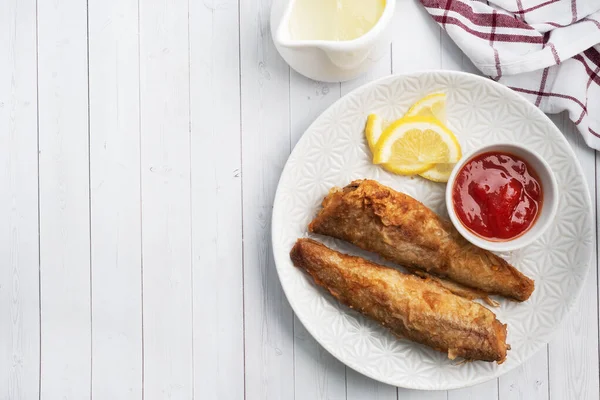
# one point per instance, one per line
(549, 204)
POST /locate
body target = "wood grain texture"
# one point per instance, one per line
(483, 391)
(64, 200)
(416, 44)
(115, 200)
(269, 347)
(308, 100)
(529, 381)
(19, 253)
(573, 356)
(166, 193)
(407, 394)
(453, 58)
(216, 200)
(359, 387)
(147, 283)
(318, 375)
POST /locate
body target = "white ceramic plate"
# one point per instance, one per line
(333, 152)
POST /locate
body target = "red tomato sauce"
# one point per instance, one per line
(497, 196)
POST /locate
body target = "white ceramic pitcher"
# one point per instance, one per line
(326, 60)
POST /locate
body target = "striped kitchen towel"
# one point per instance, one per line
(547, 50)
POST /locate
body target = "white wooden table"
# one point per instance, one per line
(141, 142)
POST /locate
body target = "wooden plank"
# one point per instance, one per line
(360, 387)
(115, 199)
(266, 142)
(64, 200)
(573, 354)
(308, 100)
(452, 56)
(483, 391)
(166, 193)
(216, 201)
(529, 381)
(407, 394)
(19, 252)
(318, 375)
(417, 39)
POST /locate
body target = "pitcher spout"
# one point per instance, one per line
(323, 39)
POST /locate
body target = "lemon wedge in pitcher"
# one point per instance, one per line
(413, 145)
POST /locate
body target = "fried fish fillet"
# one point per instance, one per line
(401, 229)
(456, 288)
(412, 307)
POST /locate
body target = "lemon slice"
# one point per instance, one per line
(373, 130)
(412, 145)
(439, 172)
(433, 105)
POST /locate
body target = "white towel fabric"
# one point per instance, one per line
(547, 50)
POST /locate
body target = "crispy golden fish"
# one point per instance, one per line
(456, 288)
(401, 229)
(411, 307)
